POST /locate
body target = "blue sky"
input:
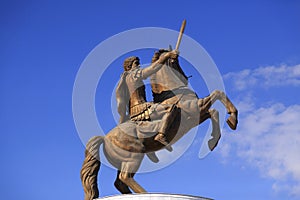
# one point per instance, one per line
(255, 46)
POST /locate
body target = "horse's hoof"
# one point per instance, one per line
(169, 148)
(152, 156)
(232, 121)
(213, 142)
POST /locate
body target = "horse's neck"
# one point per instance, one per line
(166, 79)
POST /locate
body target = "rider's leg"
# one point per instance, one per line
(168, 112)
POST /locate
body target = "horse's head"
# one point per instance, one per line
(160, 52)
(169, 77)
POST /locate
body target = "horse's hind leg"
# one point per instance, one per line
(122, 187)
(219, 95)
(127, 177)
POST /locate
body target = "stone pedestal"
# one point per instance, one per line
(153, 196)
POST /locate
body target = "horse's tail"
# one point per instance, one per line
(90, 168)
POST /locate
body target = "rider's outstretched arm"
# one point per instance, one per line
(154, 67)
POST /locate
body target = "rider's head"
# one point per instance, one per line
(131, 62)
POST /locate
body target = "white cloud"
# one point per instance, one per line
(265, 77)
(268, 138)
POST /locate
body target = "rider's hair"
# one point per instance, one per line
(128, 62)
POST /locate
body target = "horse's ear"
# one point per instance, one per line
(170, 48)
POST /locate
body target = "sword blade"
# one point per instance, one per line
(180, 34)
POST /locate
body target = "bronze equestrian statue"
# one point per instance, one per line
(131, 96)
(125, 147)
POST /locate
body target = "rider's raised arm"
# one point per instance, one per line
(154, 67)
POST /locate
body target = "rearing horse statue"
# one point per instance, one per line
(125, 149)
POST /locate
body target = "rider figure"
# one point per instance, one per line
(131, 96)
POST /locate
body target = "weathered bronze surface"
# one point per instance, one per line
(176, 109)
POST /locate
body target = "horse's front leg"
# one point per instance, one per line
(213, 114)
(231, 110)
(216, 132)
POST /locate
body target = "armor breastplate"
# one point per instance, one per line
(138, 96)
(136, 89)
(139, 108)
